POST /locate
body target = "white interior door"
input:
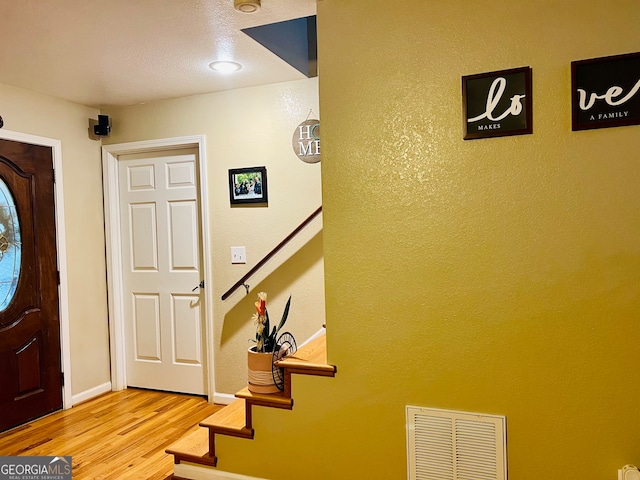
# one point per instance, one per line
(161, 255)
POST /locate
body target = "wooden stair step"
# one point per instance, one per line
(193, 448)
(310, 359)
(275, 400)
(235, 419)
(231, 420)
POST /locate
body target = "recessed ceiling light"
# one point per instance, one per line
(246, 6)
(225, 67)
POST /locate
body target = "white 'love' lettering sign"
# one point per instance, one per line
(494, 98)
(606, 92)
(608, 96)
(497, 103)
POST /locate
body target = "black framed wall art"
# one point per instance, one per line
(248, 185)
(605, 92)
(497, 104)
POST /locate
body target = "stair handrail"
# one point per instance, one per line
(268, 256)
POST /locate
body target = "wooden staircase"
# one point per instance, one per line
(235, 419)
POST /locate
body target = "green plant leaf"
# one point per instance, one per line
(285, 314)
(265, 332)
(269, 341)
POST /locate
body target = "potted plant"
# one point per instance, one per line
(260, 356)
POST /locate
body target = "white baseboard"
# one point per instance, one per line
(223, 398)
(320, 332)
(196, 472)
(91, 393)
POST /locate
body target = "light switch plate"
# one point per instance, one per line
(238, 255)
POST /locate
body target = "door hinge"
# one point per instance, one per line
(62, 378)
(58, 276)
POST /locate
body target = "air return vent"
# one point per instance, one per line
(447, 445)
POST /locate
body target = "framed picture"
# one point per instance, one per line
(248, 185)
(605, 92)
(496, 104)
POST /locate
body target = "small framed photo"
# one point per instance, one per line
(605, 92)
(496, 104)
(248, 185)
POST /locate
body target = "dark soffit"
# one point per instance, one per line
(294, 41)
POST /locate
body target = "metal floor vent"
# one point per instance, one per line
(448, 445)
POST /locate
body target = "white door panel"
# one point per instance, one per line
(143, 239)
(183, 234)
(188, 334)
(141, 177)
(181, 174)
(161, 249)
(146, 327)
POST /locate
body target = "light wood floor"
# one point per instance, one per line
(119, 435)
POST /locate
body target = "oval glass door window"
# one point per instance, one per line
(10, 247)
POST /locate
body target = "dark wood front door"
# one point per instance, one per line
(30, 365)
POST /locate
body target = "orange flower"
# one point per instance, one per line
(260, 307)
(265, 335)
(261, 304)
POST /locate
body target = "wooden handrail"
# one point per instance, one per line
(268, 256)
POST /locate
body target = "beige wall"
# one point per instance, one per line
(34, 114)
(498, 276)
(246, 128)
(251, 127)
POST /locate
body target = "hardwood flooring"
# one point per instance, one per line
(119, 435)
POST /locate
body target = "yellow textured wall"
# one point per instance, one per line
(247, 128)
(498, 276)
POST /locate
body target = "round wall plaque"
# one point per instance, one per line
(306, 141)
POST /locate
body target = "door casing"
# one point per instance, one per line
(63, 291)
(110, 155)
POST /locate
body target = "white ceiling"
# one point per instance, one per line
(122, 52)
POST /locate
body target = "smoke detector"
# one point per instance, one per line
(246, 6)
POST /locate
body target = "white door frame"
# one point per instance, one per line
(61, 247)
(110, 155)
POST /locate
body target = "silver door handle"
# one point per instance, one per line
(200, 285)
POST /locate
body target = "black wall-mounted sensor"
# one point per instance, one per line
(103, 127)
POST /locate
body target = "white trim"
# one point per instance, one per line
(91, 393)
(196, 472)
(115, 294)
(319, 333)
(110, 155)
(223, 398)
(61, 247)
